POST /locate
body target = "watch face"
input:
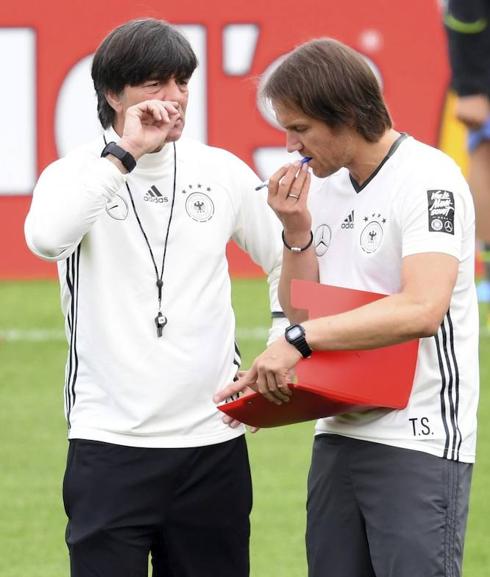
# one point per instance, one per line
(294, 333)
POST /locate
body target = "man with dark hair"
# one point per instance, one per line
(138, 221)
(388, 489)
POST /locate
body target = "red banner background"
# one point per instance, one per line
(410, 53)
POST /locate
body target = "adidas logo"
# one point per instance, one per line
(154, 195)
(349, 220)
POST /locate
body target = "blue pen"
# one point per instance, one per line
(304, 160)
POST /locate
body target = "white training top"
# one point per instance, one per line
(416, 202)
(125, 385)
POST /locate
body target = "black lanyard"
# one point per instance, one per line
(160, 320)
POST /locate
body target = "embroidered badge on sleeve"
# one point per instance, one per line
(440, 211)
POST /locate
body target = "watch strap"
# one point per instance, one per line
(125, 157)
(299, 342)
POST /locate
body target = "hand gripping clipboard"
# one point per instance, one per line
(333, 382)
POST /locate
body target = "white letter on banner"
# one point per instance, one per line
(18, 111)
(76, 119)
(239, 45)
(196, 125)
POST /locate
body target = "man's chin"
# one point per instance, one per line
(322, 172)
(172, 136)
(318, 172)
(175, 134)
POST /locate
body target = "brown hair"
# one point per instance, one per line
(329, 81)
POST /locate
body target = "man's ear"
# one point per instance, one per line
(114, 100)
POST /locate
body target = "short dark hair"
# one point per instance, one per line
(137, 51)
(329, 81)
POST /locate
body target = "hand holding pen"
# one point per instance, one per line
(304, 160)
(288, 197)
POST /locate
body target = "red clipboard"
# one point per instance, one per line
(333, 382)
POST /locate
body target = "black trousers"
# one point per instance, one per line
(381, 511)
(186, 508)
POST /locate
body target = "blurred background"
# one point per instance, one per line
(47, 106)
(47, 102)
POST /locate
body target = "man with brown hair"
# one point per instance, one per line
(388, 489)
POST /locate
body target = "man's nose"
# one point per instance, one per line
(293, 144)
(172, 90)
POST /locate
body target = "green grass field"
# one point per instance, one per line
(33, 445)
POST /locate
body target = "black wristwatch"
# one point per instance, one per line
(295, 335)
(126, 158)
